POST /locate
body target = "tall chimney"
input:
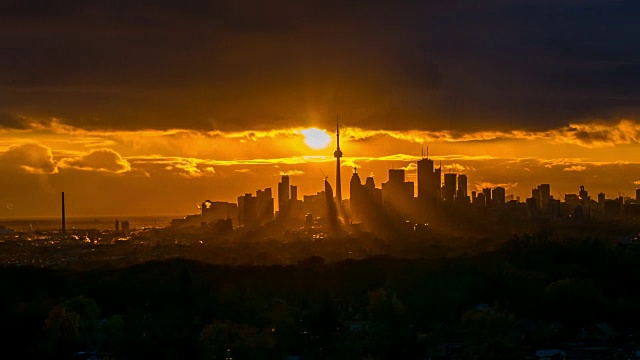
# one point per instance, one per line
(64, 226)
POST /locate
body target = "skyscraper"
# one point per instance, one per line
(545, 194)
(357, 198)
(498, 195)
(461, 194)
(428, 182)
(283, 195)
(449, 192)
(338, 154)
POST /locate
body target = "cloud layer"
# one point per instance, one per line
(235, 65)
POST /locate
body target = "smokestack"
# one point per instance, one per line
(64, 226)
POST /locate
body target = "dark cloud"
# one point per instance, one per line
(254, 64)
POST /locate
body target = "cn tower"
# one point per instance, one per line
(338, 154)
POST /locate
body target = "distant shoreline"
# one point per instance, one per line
(88, 222)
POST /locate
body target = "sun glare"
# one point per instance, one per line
(316, 138)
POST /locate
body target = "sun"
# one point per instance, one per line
(315, 138)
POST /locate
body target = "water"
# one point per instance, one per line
(100, 222)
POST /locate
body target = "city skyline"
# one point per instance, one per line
(151, 108)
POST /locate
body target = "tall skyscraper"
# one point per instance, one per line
(428, 181)
(265, 206)
(283, 195)
(338, 154)
(461, 194)
(638, 196)
(487, 196)
(396, 193)
(357, 197)
(545, 194)
(449, 192)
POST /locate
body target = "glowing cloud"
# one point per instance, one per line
(577, 168)
(30, 157)
(98, 160)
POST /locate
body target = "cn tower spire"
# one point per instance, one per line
(338, 154)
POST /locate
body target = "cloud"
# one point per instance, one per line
(637, 182)
(576, 168)
(98, 160)
(490, 185)
(292, 172)
(248, 64)
(30, 157)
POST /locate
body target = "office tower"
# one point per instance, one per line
(487, 196)
(293, 193)
(247, 210)
(585, 199)
(330, 205)
(638, 196)
(374, 194)
(498, 195)
(265, 206)
(535, 195)
(396, 193)
(545, 194)
(601, 198)
(283, 195)
(449, 190)
(461, 193)
(357, 197)
(338, 154)
(428, 181)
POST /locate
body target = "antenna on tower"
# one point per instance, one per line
(323, 174)
(427, 151)
(421, 152)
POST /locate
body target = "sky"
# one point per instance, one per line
(151, 107)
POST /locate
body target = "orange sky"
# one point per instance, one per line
(153, 172)
(151, 107)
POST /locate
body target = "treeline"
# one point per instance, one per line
(380, 307)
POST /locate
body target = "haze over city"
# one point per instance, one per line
(152, 108)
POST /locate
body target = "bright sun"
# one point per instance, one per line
(316, 138)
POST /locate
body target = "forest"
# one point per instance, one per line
(534, 291)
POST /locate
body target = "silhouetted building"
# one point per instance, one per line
(480, 200)
(638, 196)
(585, 199)
(374, 193)
(428, 181)
(247, 210)
(498, 195)
(212, 211)
(487, 196)
(358, 197)
(117, 225)
(601, 198)
(449, 188)
(293, 193)
(545, 195)
(461, 194)
(283, 195)
(613, 208)
(331, 209)
(265, 206)
(396, 193)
